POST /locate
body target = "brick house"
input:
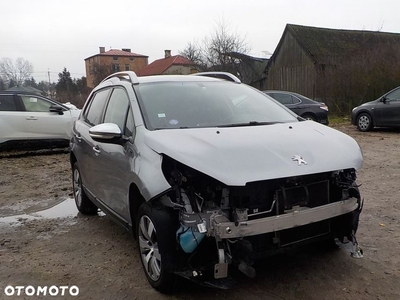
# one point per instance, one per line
(169, 65)
(104, 63)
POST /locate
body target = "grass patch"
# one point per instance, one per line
(339, 119)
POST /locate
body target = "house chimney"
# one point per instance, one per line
(102, 49)
(167, 53)
(126, 50)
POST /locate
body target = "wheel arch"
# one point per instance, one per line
(364, 111)
(311, 114)
(135, 201)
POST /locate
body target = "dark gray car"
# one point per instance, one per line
(382, 112)
(302, 105)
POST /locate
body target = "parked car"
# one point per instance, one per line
(207, 172)
(302, 106)
(32, 121)
(382, 112)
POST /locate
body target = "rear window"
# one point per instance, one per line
(7, 103)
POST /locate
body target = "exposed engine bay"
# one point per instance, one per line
(235, 225)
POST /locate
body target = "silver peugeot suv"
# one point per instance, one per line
(207, 172)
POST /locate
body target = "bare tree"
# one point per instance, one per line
(18, 72)
(214, 52)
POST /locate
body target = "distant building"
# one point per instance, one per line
(332, 64)
(104, 63)
(169, 65)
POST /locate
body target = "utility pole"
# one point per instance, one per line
(48, 73)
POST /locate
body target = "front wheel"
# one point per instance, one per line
(156, 247)
(364, 122)
(83, 203)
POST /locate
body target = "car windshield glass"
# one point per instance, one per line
(191, 104)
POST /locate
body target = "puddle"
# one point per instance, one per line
(65, 208)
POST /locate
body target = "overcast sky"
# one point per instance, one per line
(53, 34)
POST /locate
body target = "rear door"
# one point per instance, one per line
(289, 101)
(12, 121)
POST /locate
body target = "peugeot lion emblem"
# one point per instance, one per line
(299, 160)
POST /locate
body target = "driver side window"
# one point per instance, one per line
(35, 104)
(393, 96)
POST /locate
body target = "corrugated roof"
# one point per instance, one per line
(322, 43)
(159, 66)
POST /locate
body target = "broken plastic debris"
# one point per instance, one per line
(357, 253)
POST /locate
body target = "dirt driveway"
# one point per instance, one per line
(45, 242)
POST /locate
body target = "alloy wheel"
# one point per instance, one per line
(77, 186)
(148, 245)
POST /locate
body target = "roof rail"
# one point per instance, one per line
(122, 75)
(221, 75)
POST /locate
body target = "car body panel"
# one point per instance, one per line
(236, 156)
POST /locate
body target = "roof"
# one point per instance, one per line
(323, 43)
(159, 66)
(117, 52)
(25, 89)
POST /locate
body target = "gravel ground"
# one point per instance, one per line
(44, 241)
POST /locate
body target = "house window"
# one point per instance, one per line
(127, 68)
(115, 57)
(115, 68)
(131, 58)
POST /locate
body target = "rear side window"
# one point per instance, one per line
(95, 111)
(117, 108)
(7, 103)
(282, 98)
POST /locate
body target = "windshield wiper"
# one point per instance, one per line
(251, 123)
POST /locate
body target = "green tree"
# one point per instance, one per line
(66, 88)
(31, 82)
(3, 85)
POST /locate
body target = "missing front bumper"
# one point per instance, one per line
(222, 228)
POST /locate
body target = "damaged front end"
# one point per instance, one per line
(223, 226)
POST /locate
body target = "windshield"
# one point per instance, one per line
(176, 104)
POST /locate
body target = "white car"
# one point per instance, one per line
(210, 174)
(32, 121)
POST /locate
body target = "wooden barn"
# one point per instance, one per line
(335, 66)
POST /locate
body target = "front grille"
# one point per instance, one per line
(274, 197)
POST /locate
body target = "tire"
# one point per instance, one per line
(83, 203)
(156, 239)
(364, 122)
(310, 117)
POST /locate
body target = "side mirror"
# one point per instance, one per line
(57, 109)
(385, 100)
(106, 132)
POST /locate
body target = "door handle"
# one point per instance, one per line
(96, 149)
(31, 118)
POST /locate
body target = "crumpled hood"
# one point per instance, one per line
(237, 155)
